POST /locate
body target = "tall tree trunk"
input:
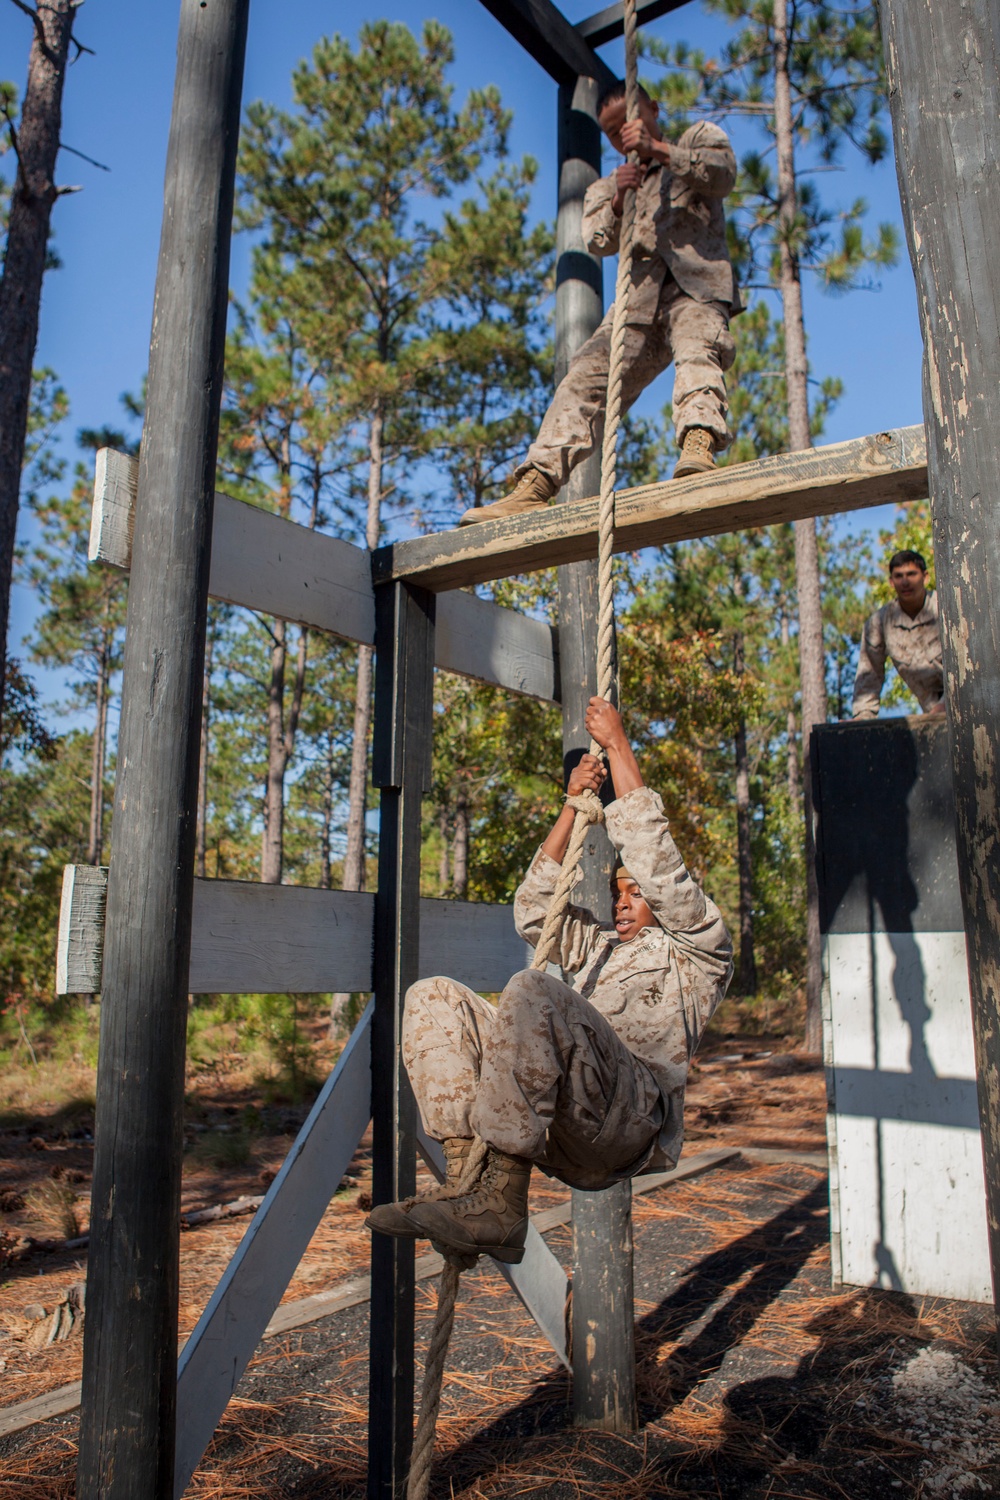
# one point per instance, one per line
(811, 667)
(280, 745)
(37, 146)
(460, 848)
(357, 798)
(95, 842)
(444, 876)
(326, 827)
(744, 852)
(206, 716)
(791, 734)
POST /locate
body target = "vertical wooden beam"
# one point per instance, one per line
(404, 700)
(943, 65)
(602, 1317)
(130, 1348)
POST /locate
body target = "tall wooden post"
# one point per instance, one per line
(404, 700)
(130, 1346)
(603, 1331)
(943, 66)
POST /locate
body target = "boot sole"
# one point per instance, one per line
(396, 1233)
(690, 469)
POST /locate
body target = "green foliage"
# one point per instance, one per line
(837, 83)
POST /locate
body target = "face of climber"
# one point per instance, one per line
(612, 122)
(910, 582)
(631, 914)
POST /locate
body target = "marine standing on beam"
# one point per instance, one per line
(683, 295)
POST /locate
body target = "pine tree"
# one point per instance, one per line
(810, 72)
(34, 139)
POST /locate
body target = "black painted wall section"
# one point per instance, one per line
(885, 857)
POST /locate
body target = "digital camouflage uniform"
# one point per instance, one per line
(914, 646)
(586, 1081)
(682, 296)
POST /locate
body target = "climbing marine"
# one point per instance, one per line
(683, 294)
(587, 1082)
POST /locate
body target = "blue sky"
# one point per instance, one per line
(96, 310)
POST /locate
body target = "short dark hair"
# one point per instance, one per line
(614, 92)
(900, 559)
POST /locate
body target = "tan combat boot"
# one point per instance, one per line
(533, 491)
(394, 1218)
(491, 1219)
(697, 453)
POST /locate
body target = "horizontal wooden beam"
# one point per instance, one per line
(546, 35)
(263, 562)
(264, 939)
(886, 468)
(609, 23)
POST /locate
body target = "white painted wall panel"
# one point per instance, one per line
(908, 1156)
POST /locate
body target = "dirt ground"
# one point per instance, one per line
(754, 1380)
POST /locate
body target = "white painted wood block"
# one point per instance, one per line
(80, 942)
(908, 1157)
(113, 517)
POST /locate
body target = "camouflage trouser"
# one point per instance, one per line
(542, 1075)
(694, 335)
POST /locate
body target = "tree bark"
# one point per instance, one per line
(748, 962)
(444, 874)
(811, 662)
(357, 792)
(206, 715)
(37, 146)
(326, 828)
(280, 746)
(95, 842)
(460, 848)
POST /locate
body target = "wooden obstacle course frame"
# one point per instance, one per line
(127, 1426)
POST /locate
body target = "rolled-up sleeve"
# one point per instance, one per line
(870, 675)
(638, 828)
(581, 931)
(601, 226)
(704, 159)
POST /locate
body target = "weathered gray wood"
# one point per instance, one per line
(546, 35)
(477, 639)
(401, 768)
(609, 23)
(886, 468)
(80, 944)
(267, 939)
(130, 1338)
(944, 72)
(264, 562)
(238, 1312)
(276, 938)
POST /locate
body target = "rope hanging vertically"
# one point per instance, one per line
(587, 805)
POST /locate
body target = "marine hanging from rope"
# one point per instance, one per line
(584, 1080)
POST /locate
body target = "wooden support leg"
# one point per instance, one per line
(404, 686)
(602, 1317)
(130, 1344)
(943, 64)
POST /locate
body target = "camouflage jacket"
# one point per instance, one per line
(915, 647)
(680, 224)
(659, 990)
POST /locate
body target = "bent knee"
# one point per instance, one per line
(534, 989)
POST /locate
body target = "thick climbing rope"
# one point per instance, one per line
(587, 806)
